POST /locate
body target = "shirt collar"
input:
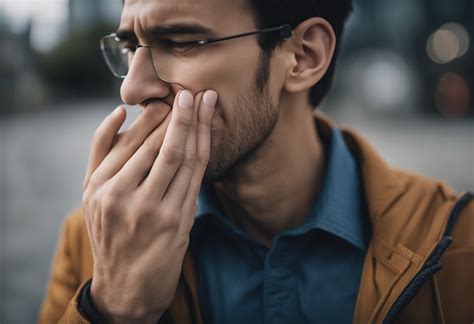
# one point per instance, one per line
(339, 207)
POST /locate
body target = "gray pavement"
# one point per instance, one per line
(43, 161)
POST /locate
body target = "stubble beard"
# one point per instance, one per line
(254, 118)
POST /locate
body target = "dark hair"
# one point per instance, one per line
(273, 13)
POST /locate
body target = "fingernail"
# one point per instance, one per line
(210, 98)
(116, 111)
(186, 100)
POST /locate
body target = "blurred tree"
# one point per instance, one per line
(75, 67)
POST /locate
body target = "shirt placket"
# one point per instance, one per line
(278, 291)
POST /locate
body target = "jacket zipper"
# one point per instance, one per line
(431, 266)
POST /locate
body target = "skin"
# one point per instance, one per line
(141, 185)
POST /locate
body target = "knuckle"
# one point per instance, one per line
(128, 143)
(204, 124)
(109, 202)
(89, 203)
(170, 219)
(151, 147)
(86, 197)
(148, 155)
(94, 182)
(173, 156)
(172, 224)
(194, 191)
(184, 122)
(144, 210)
(203, 157)
(182, 241)
(189, 160)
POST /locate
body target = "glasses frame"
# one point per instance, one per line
(284, 30)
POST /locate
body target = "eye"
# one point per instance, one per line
(179, 45)
(129, 48)
(126, 47)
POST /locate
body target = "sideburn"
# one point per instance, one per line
(263, 70)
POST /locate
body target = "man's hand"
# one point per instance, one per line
(140, 193)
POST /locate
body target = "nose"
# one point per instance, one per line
(141, 83)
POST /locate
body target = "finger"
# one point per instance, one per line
(205, 116)
(102, 141)
(139, 165)
(130, 141)
(172, 152)
(176, 192)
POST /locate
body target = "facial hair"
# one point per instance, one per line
(254, 118)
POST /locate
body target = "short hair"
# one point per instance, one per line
(273, 13)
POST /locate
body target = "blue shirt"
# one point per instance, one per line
(310, 274)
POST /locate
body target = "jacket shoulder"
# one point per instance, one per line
(71, 267)
(417, 186)
(438, 205)
(418, 217)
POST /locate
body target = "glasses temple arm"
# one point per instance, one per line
(284, 30)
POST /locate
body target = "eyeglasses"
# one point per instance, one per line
(172, 60)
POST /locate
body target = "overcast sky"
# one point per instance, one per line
(47, 17)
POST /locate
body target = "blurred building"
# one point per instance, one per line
(410, 55)
(21, 87)
(85, 12)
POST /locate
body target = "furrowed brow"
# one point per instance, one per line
(181, 29)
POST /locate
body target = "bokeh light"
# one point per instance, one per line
(449, 42)
(452, 95)
(383, 81)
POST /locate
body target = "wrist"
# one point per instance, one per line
(118, 312)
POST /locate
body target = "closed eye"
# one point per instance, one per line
(131, 48)
(180, 44)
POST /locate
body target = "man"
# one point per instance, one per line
(298, 221)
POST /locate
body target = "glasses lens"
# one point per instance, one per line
(116, 55)
(172, 64)
(179, 65)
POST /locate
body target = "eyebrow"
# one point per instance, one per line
(156, 31)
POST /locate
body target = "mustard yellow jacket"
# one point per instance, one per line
(419, 266)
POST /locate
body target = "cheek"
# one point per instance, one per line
(230, 75)
(216, 68)
(228, 69)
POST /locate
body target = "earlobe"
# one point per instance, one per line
(313, 48)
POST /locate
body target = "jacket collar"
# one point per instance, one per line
(380, 192)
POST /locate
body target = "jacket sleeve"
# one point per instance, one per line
(454, 282)
(70, 272)
(60, 302)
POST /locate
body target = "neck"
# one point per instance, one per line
(275, 188)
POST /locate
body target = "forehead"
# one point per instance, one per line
(221, 15)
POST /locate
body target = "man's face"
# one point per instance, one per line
(245, 115)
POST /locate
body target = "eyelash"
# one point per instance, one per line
(174, 45)
(180, 45)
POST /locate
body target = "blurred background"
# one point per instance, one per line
(404, 80)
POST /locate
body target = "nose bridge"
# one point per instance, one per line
(142, 82)
(142, 56)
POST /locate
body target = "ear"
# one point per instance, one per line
(312, 48)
